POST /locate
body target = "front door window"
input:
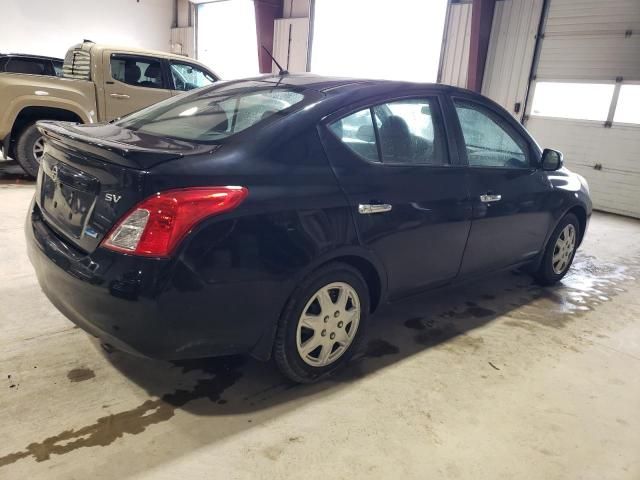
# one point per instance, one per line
(187, 77)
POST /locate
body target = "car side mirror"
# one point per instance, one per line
(551, 160)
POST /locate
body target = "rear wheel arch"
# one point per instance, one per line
(371, 272)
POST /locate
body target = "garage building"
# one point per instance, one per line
(495, 377)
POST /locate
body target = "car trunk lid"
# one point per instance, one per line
(90, 177)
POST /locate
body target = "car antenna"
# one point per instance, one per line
(282, 70)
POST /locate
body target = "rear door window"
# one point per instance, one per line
(410, 132)
(138, 71)
(403, 132)
(357, 132)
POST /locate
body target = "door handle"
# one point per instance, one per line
(368, 209)
(488, 198)
(121, 96)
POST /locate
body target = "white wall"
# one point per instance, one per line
(50, 27)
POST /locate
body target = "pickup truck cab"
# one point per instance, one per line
(99, 83)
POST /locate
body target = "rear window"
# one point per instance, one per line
(215, 113)
(31, 66)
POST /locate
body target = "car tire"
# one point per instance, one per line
(28, 146)
(337, 328)
(559, 252)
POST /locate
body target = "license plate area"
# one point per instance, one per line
(68, 197)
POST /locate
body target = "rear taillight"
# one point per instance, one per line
(155, 226)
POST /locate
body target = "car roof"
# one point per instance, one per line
(28, 55)
(334, 85)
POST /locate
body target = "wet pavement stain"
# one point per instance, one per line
(472, 310)
(107, 429)
(588, 284)
(379, 348)
(457, 339)
(436, 335)
(80, 374)
(415, 323)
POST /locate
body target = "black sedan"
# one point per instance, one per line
(273, 215)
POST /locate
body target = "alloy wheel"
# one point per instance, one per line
(38, 149)
(328, 324)
(563, 249)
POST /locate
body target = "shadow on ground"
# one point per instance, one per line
(11, 173)
(244, 392)
(445, 317)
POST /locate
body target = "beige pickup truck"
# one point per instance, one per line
(99, 83)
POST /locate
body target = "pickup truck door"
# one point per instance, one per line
(132, 82)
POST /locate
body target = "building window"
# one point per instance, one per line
(580, 101)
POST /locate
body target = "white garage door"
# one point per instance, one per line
(586, 96)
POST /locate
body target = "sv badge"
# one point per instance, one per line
(112, 197)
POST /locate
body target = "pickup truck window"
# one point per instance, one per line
(187, 77)
(32, 66)
(137, 71)
(57, 68)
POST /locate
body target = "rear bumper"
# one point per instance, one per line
(147, 307)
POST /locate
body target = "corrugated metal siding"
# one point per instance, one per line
(183, 41)
(511, 48)
(591, 40)
(455, 58)
(290, 43)
(615, 188)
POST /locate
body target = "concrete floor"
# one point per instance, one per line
(498, 379)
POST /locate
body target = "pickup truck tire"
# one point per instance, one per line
(29, 149)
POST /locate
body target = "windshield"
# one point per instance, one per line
(215, 113)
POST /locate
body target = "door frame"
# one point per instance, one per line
(534, 151)
(455, 159)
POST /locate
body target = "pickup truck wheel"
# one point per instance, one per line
(29, 149)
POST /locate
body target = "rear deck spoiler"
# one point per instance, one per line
(63, 135)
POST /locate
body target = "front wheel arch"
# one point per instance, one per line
(581, 215)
